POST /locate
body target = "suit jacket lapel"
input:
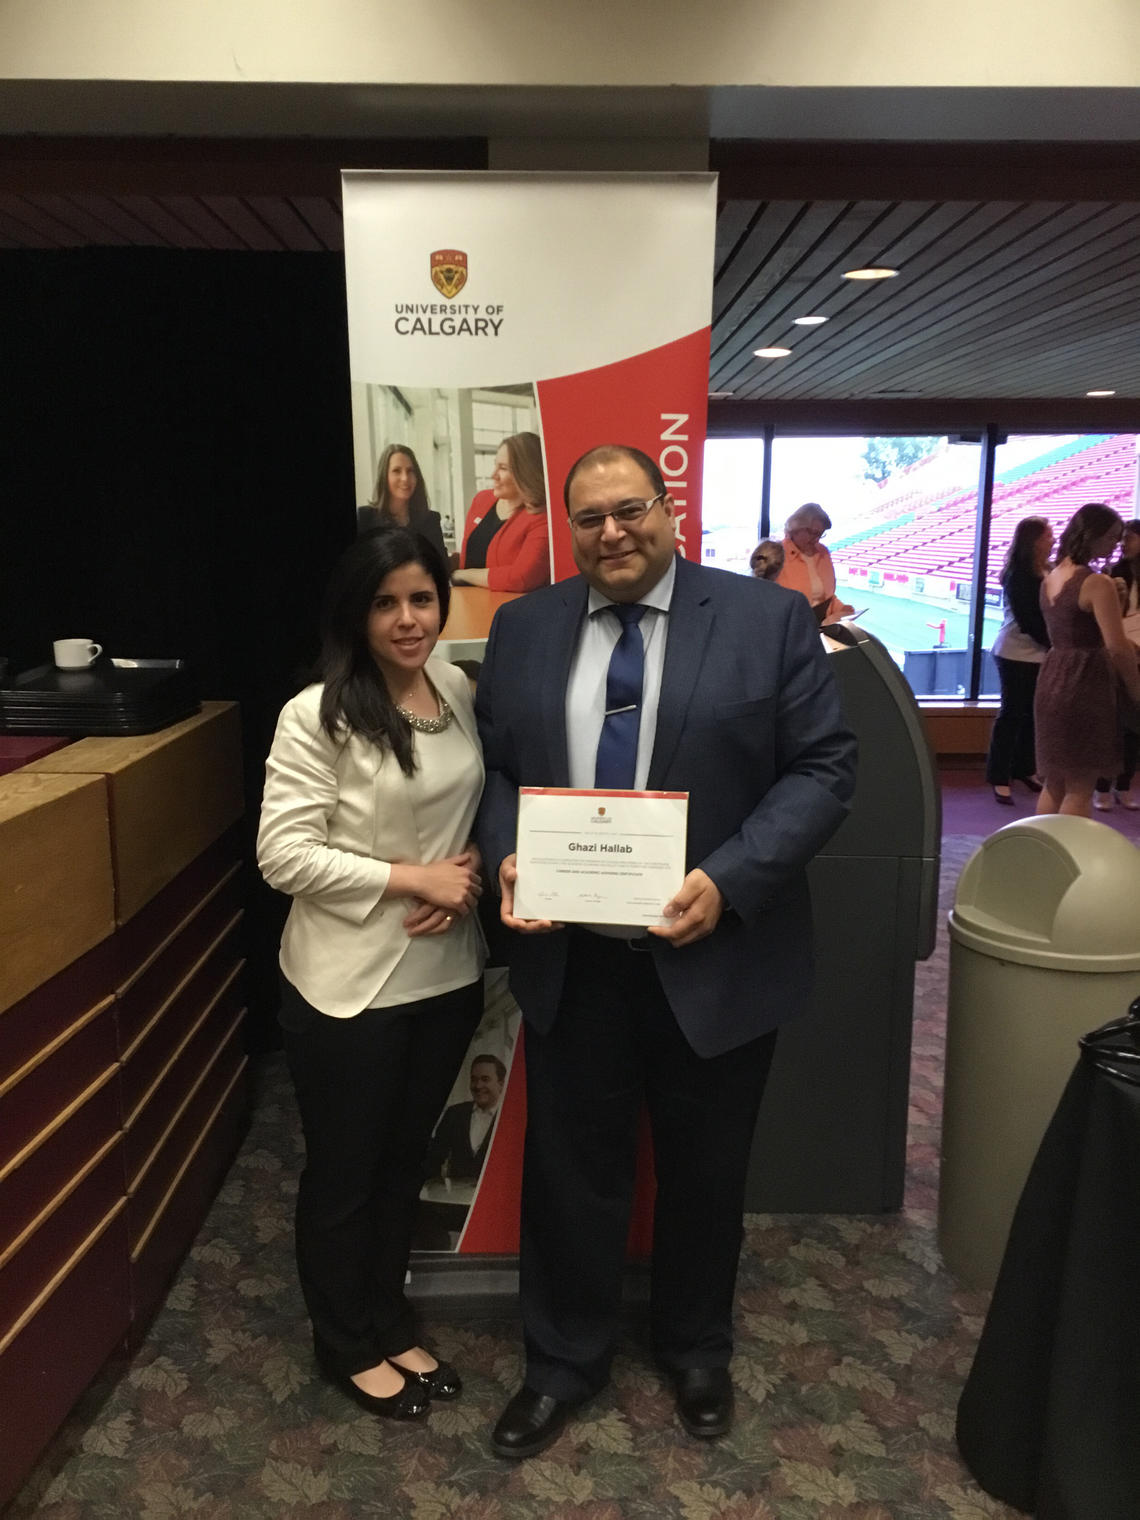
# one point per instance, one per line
(560, 640)
(690, 623)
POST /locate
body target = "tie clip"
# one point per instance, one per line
(612, 712)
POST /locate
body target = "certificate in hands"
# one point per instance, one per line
(591, 857)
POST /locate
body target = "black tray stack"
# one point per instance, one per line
(109, 699)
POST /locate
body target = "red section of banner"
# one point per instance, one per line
(656, 401)
(493, 1223)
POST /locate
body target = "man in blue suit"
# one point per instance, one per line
(650, 672)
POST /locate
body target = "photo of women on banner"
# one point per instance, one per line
(500, 325)
(465, 469)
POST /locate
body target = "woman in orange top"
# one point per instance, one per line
(807, 564)
(505, 539)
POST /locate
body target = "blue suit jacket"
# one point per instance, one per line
(749, 724)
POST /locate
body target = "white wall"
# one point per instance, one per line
(577, 42)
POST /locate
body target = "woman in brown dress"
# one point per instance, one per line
(1078, 735)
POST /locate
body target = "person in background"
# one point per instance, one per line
(807, 564)
(400, 499)
(1018, 650)
(1126, 575)
(505, 539)
(767, 559)
(1078, 737)
(463, 1136)
(371, 788)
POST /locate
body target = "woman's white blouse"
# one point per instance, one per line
(448, 770)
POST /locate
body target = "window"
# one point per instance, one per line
(903, 514)
(1051, 476)
(730, 501)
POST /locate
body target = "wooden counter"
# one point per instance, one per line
(189, 775)
(472, 608)
(957, 729)
(56, 885)
(121, 1052)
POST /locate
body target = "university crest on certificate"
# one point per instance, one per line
(597, 857)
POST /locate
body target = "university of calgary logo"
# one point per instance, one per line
(601, 812)
(449, 271)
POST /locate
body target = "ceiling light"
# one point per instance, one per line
(771, 353)
(720, 395)
(807, 321)
(1100, 393)
(873, 272)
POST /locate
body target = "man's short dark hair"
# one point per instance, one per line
(491, 1061)
(606, 453)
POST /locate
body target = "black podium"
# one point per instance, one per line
(832, 1131)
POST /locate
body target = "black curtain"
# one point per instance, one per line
(176, 477)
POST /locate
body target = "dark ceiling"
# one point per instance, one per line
(992, 298)
(1024, 297)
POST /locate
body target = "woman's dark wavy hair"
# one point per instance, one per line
(1019, 555)
(1085, 529)
(1126, 569)
(418, 504)
(356, 699)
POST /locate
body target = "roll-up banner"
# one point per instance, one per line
(499, 326)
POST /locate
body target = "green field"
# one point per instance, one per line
(902, 624)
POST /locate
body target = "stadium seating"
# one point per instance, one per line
(932, 532)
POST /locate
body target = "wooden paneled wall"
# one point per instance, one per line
(121, 1051)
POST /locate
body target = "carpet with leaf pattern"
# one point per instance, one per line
(852, 1346)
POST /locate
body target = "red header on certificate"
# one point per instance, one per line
(593, 791)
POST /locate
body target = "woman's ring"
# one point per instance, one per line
(447, 918)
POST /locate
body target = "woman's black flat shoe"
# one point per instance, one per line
(1005, 798)
(442, 1382)
(1029, 784)
(412, 1401)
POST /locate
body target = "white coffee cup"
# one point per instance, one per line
(75, 654)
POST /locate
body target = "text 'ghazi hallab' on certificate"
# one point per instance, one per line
(594, 857)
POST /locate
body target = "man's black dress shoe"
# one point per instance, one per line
(529, 1424)
(704, 1400)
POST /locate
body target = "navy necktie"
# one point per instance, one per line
(616, 765)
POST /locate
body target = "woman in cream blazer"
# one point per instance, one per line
(371, 789)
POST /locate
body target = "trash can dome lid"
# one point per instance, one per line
(1053, 891)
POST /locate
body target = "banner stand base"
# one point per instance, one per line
(454, 1285)
(449, 1286)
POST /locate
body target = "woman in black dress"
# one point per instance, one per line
(400, 499)
(1018, 650)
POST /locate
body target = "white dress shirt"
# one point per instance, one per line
(586, 688)
(586, 695)
(479, 1128)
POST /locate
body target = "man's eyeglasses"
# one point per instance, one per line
(624, 514)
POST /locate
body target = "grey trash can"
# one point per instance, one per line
(1044, 945)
